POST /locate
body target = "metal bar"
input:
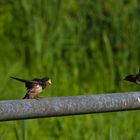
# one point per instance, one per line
(71, 105)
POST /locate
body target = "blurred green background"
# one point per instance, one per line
(86, 47)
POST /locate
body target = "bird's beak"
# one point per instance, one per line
(49, 82)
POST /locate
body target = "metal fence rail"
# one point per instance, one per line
(71, 105)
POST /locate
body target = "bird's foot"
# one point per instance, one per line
(37, 98)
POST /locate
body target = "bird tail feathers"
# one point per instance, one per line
(21, 80)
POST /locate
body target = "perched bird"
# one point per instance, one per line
(34, 87)
(133, 78)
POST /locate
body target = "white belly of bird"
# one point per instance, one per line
(38, 89)
(138, 82)
(35, 91)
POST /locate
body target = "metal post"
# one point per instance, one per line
(71, 105)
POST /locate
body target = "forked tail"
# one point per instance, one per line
(21, 80)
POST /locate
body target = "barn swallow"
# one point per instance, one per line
(135, 78)
(34, 87)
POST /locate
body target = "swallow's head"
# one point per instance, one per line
(46, 81)
(131, 78)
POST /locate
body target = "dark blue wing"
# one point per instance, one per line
(32, 83)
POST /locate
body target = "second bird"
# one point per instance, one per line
(135, 78)
(34, 87)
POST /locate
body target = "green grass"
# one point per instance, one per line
(86, 47)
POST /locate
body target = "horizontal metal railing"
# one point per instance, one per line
(70, 105)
